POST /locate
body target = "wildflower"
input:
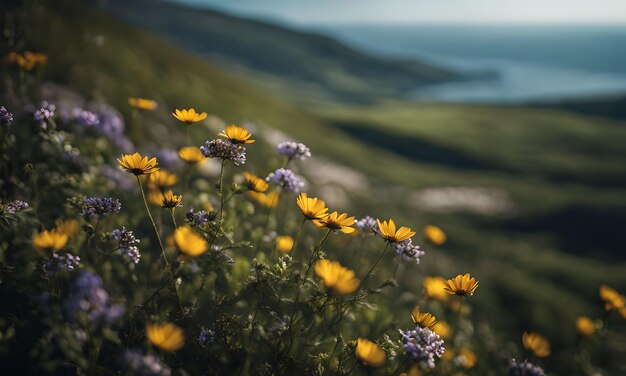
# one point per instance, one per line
(44, 112)
(269, 200)
(53, 240)
(189, 116)
(87, 296)
(369, 353)
(85, 118)
(6, 118)
(138, 165)
(168, 337)
(434, 235)
(612, 299)
(191, 155)
(461, 285)
(312, 208)
(15, 206)
(127, 244)
(170, 200)
(408, 250)
(434, 288)
(142, 104)
(286, 179)
(145, 365)
(467, 358)
(155, 197)
(27, 60)
(585, 326)
(336, 278)
(284, 243)
(205, 337)
(294, 150)
(199, 218)
(536, 343)
(442, 329)
(189, 242)
(162, 179)
(69, 227)
(422, 345)
(524, 369)
(367, 224)
(423, 319)
(99, 206)
(225, 151)
(236, 135)
(254, 183)
(59, 262)
(389, 233)
(335, 221)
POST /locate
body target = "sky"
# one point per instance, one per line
(427, 11)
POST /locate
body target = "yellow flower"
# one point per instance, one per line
(155, 197)
(269, 200)
(461, 285)
(389, 233)
(423, 319)
(189, 242)
(369, 353)
(162, 179)
(170, 200)
(312, 208)
(434, 288)
(336, 278)
(413, 371)
(536, 343)
(143, 104)
(284, 243)
(585, 326)
(236, 135)
(335, 221)
(191, 155)
(167, 337)
(467, 358)
(435, 235)
(27, 60)
(254, 183)
(68, 227)
(612, 299)
(189, 116)
(442, 329)
(138, 165)
(50, 240)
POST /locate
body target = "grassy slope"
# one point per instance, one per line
(526, 279)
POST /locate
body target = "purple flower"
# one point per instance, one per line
(6, 118)
(524, 369)
(408, 250)
(286, 179)
(144, 365)
(294, 150)
(59, 262)
(85, 118)
(225, 151)
(16, 206)
(199, 218)
(422, 345)
(367, 224)
(87, 296)
(205, 337)
(127, 244)
(45, 111)
(99, 206)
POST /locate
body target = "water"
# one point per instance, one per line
(530, 63)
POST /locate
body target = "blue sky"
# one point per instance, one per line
(427, 11)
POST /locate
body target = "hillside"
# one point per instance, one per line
(295, 61)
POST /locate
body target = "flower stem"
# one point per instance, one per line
(221, 193)
(369, 273)
(173, 218)
(297, 236)
(156, 231)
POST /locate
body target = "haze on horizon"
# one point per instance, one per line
(426, 11)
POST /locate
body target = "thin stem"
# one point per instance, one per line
(369, 273)
(156, 231)
(173, 218)
(297, 236)
(221, 193)
(395, 270)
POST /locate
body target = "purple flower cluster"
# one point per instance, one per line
(205, 337)
(6, 118)
(89, 297)
(85, 118)
(422, 345)
(59, 262)
(44, 112)
(199, 218)
(286, 179)
(111, 126)
(15, 206)
(145, 365)
(367, 224)
(127, 244)
(98, 206)
(224, 150)
(293, 150)
(408, 250)
(524, 369)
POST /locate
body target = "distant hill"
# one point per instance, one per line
(285, 57)
(613, 107)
